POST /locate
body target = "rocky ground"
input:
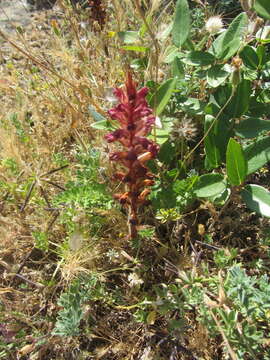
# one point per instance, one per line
(14, 13)
(17, 18)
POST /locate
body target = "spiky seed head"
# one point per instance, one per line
(183, 129)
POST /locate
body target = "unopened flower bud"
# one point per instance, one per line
(236, 74)
(236, 77)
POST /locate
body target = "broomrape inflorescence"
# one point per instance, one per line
(98, 12)
(136, 120)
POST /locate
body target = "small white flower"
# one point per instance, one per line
(134, 280)
(214, 25)
(83, 24)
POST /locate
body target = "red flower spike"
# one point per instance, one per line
(135, 120)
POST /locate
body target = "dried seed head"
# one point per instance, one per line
(214, 24)
(183, 129)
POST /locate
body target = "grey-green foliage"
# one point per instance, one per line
(72, 301)
(89, 189)
(244, 319)
(165, 301)
(69, 317)
(250, 293)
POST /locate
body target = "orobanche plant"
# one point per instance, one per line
(136, 119)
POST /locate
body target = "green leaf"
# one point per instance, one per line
(222, 131)
(162, 96)
(167, 152)
(128, 37)
(211, 150)
(199, 58)
(257, 198)
(240, 101)
(262, 7)
(222, 95)
(178, 68)
(228, 43)
(165, 33)
(193, 106)
(261, 53)
(257, 108)
(265, 94)
(252, 127)
(236, 165)
(135, 48)
(235, 31)
(209, 185)
(250, 57)
(170, 53)
(216, 75)
(257, 154)
(162, 135)
(181, 24)
(102, 125)
(139, 64)
(221, 199)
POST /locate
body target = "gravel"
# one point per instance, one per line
(14, 13)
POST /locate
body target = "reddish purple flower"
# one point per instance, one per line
(135, 120)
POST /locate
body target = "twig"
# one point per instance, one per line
(54, 170)
(43, 193)
(28, 195)
(207, 245)
(54, 184)
(52, 209)
(24, 261)
(40, 286)
(52, 221)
